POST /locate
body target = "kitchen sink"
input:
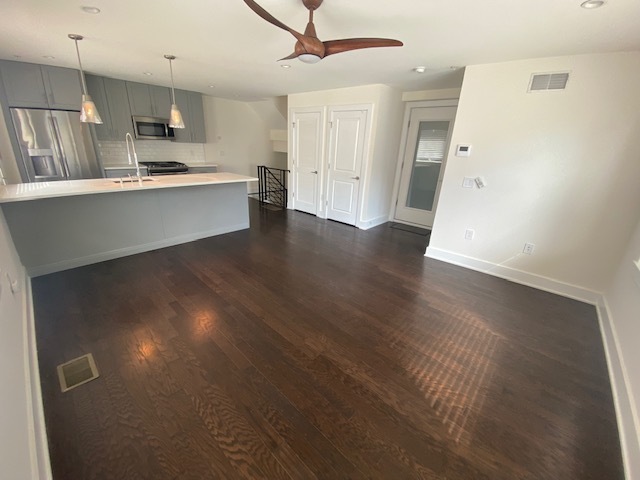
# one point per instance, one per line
(129, 180)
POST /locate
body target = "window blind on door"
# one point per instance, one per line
(432, 141)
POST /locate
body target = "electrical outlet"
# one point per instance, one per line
(528, 248)
(468, 234)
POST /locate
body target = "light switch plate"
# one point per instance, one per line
(468, 182)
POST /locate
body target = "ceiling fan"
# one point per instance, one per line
(310, 49)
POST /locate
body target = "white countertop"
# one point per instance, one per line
(127, 166)
(36, 191)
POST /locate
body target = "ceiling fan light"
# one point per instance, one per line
(589, 4)
(309, 58)
(89, 112)
(175, 120)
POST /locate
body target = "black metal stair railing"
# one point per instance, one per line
(272, 186)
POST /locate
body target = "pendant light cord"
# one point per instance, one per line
(173, 89)
(84, 83)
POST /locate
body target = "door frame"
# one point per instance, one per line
(291, 203)
(410, 106)
(364, 166)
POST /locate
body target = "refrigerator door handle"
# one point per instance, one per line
(59, 146)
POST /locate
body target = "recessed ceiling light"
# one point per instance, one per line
(51, 57)
(420, 69)
(148, 74)
(91, 10)
(592, 4)
(285, 66)
(212, 86)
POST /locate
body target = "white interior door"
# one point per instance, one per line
(347, 140)
(307, 158)
(425, 152)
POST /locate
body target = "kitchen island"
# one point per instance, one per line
(60, 225)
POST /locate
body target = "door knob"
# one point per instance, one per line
(355, 178)
(315, 171)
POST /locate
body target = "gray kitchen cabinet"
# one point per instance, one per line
(112, 102)
(161, 101)
(30, 85)
(196, 111)
(190, 105)
(95, 87)
(119, 108)
(23, 84)
(63, 87)
(183, 135)
(148, 100)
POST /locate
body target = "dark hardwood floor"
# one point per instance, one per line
(304, 348)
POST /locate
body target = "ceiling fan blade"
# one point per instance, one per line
(293, 55)
(271, 19)
(347, 44)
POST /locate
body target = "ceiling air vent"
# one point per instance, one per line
(548, 81)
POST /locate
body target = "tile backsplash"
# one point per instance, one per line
(114, 154)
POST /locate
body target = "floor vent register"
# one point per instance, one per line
(77, 372)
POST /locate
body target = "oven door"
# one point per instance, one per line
(151, 128)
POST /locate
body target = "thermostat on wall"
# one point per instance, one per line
(463, 151)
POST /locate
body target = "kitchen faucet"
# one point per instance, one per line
(128, 137)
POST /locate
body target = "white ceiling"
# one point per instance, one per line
(222, 42)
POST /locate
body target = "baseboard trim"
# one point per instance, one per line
(518, 276)
(367, 224)
(627, 417)
(36, 271)
(38, 444)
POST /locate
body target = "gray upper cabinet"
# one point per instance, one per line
(41, 86)
(118, 100)
(190, 105)
(197, 118)
(148, 100)
(183, 134)
(161, 101)
(95, 87)
(23, 84)
(112, 101)
(63, 88)
(119, 107)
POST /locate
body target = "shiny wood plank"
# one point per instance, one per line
(307, 349)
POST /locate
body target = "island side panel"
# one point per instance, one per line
(56, 234)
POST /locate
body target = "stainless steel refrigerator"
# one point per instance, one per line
(54, 146)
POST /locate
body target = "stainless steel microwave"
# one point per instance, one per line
(152, 128)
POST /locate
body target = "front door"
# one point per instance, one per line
(307, 158)
(425, 153)
(346, 151)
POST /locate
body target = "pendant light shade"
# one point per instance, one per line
(88, 112)
(175, 118)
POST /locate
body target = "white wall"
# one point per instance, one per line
(16, 421)
(385, 156)
(623, 308)
(386, 125)
(238, 138)
(561, 167)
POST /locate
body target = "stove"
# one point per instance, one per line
(165, 168)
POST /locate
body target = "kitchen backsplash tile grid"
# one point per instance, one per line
(114, 154)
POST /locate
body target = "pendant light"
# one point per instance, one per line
(175, 119)
(88, 112)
